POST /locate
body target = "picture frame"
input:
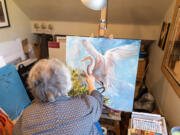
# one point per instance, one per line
(171, 59)
(4, 18)
(163, 35)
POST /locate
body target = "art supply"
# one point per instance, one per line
(149, 123)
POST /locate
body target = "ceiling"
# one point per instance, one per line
(146, 12)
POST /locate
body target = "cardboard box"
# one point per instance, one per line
(138, 84)
(25, 46)
(36, 48)
(141, 69)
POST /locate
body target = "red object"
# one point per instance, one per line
(6, 125)
(53, 44)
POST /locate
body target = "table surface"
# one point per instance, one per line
(111, 117)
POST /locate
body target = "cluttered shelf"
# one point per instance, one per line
(143, 100)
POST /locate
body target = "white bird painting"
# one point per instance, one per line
(113, 63)
(103, 69)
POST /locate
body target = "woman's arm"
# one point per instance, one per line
(96, 101)
(97, 104)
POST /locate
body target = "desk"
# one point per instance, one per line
(111, 122)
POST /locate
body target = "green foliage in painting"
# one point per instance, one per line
(106, 99)
(79, 86)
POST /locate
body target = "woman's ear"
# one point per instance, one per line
(50, 96)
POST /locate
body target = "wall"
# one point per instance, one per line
(157, 83)
(149, 32)
(20, 24)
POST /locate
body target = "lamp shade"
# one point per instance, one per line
(95, 4)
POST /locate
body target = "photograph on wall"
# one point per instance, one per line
(113, 63)
(4, 19)
(163, 35)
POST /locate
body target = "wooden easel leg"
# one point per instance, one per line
(117, 127)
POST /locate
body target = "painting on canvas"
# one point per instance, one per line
(113, 62)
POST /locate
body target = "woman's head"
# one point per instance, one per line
(48, 79)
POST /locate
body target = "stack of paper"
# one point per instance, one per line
(2, 62)
(12, 50)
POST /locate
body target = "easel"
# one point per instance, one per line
(111, 121)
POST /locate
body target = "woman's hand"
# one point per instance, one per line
(90, 81)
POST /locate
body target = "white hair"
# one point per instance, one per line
(48, 79)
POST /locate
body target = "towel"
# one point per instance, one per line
(6, 125)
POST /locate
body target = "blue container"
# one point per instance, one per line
(143, 55)
(175, 131)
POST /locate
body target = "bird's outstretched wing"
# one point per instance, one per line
(113, 55)
(91, 49)
(122, 52)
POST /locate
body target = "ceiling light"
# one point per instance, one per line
(95, 4)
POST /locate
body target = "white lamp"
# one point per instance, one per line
(95, 4)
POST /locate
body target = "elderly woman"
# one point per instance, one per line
(53, 112)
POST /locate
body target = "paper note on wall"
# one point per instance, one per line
(113, 62)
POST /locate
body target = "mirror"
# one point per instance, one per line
(171, 61)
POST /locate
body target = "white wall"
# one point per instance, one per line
(20, 24)
(148, 32)
(164, 94)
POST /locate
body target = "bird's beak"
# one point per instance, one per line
(87, 58)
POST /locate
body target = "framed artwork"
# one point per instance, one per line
(4, 19)
(163, 35)
(113, 63)
(171, 61)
